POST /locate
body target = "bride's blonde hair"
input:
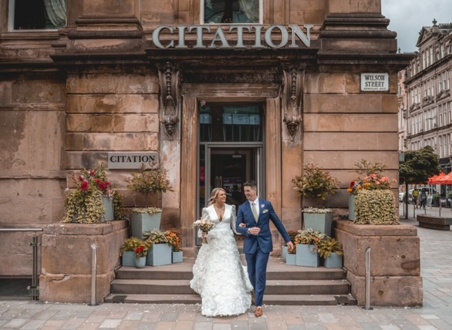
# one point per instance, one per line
(214, 195)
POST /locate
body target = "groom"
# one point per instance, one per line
(253, 221)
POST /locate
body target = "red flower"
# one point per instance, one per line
(84, 186)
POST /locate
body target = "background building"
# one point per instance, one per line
(425, 94)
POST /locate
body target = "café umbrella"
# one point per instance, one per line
(441, 179)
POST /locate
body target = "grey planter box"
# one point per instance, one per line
(128, 259)
(159, 255)
(178, 257)
(307, 256)
(334, 261)
(321, 222)
(144, 222)
(284, 252)
(290, 259)
(351, 208)
(108, 209)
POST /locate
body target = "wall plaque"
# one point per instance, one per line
(374, 82)
(132, 160)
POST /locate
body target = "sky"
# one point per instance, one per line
(407, 17)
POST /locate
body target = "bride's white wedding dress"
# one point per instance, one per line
(218, 274)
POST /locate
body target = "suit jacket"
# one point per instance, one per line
(262, 241)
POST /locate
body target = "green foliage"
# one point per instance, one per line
(131, 244)
(376, 207)
(84, 203)
(366, 168)
(292, 235)
(419, 166)
(328, 246)
(309, 236)
(315, 183)
(84, 206)
(155, 237)
(149, 181)
(118, 206)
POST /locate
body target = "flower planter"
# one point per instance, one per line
(141, 223)
(128, 258)
(319, 222)
(108, 209)
(285, 251)
(140, 262)
(351, 208)
(334, 261)
(178, 257)
(159, 255)
(307, 256)
(290, 259)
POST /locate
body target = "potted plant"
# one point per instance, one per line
(140, 256)
(331, 251)
(128, 249)
(371, 199)
(145, 183)
(289, 256)
(92, 200)
(160, 251)
(317, 185)
(174, 238)
(306, 251)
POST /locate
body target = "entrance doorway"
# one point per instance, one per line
(230, 150)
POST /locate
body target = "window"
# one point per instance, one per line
(230, 123)
(37, 14)
(231, 11)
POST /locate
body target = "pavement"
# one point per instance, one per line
(436, 312)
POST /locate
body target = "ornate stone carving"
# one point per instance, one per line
(169, 96)
(292, 99)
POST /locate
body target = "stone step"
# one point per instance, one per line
(136, 286)
(277, 269)
(292, 300)
(286, 285)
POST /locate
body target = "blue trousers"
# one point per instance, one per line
(257, 271)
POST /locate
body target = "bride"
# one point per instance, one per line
(218, 274)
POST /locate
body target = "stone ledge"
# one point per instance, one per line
(432, 222)
(376, 230)
(84, 229)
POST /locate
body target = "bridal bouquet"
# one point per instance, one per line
(205, 225)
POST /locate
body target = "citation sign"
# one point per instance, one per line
(374, 82)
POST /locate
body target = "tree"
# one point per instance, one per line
(417, 167)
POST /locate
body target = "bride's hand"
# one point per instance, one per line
(242, 225)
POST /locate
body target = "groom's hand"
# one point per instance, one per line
(254, 230)
(290, 245)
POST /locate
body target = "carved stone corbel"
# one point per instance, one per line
(292, 99)
(169, 96)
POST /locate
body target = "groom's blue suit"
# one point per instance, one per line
(257, 248)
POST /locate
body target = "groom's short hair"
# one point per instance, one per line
(250, 183)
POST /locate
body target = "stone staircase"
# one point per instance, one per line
(286, 285)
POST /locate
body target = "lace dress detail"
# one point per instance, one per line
(218, 274)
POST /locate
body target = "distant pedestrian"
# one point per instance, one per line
(423, 198)
(416, 197)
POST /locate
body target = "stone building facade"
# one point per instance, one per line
(218, 102)
(427, 109)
